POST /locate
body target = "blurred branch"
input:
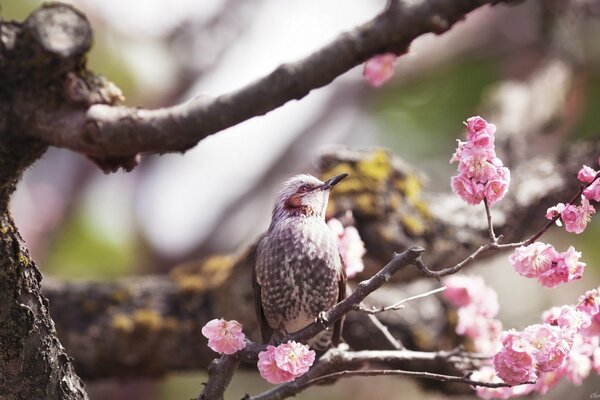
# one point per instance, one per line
(119, 133)
(151, 325)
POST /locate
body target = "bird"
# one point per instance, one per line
(298, 273)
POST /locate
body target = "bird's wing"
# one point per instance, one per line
(337, 327)
(265, 330)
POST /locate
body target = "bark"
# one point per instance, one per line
(117, 134)
(41, 61)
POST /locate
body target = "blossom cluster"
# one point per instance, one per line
(565, 344)
(481, 175)
(380, 69)
(285, 362)
(350, 246)
(224, 337)
(551, 268)
(477, 305)
(576, 217)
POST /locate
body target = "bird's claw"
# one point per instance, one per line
(323, 320)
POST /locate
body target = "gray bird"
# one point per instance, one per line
(298, 271)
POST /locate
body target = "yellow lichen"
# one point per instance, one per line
(23, 259)
(377, 166)
(120, 295)
(147, 319)
(365, 203)
(422, 208)
(205, 274)
(410, 186)
(413, 225)
(5, 229)
(122, 323)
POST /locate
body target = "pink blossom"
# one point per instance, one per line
(496, 187)
(478, 124)
(578, 365)
(553, 211)
(295, 358)
(568, 318)
(592, 192)
(525, 355)
(589, 302)
(380, 69)
(462, 290)
(475, 162)
(224, 337)
(533, 260)
(468, 189)
(514, 364)
(350, 246)
(553, 277)
(569, 261)
(269, 370)
(285, 362)
(576, 218)
(586, 174)
(550, 347)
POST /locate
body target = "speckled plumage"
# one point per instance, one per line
(298, 271)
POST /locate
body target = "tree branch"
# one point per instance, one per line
(106, 132)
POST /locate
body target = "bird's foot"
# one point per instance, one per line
(323, 320)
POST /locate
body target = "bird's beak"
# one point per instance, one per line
(328, 184)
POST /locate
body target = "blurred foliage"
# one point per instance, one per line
(421, 115)
(80, 250)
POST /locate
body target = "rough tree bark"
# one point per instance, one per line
(38, 60)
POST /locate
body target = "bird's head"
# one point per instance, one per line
(304, 196)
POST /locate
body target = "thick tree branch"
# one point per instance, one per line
(151, 325)
(107, 132)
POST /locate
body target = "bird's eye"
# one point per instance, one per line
(303, 189)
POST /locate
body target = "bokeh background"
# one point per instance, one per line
(217, 197)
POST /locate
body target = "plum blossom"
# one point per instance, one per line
(592, 192)
(350, 245)
(542, 261)
(224, 337)
(379, 69)
(525, 355)
(576, 218)
(589, 302)
(477, 306)
(285, 362)
(586, 174)
(481, 175)
(533, 260)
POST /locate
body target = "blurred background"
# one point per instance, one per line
(218, 196)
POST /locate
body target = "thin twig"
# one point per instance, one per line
(494, 246)
(399, 305)
(488, 214)
(386, 332)
(413, 374)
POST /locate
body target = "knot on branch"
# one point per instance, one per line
(51, 41)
